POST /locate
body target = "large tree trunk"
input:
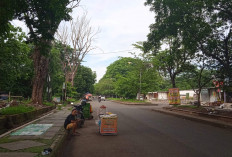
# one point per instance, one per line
(173, 79)
(40, 73)
(199, 98)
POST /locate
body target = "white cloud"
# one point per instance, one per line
(122, 23)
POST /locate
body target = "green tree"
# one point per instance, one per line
(8, 9)
(200, 75)
(16, 65)
(171, 64)
(129, 76)
(84, 80)
(43, 18)
(202, 26)
(105, 87)
(56, 71)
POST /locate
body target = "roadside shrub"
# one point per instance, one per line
(16, 110)
(71, 100)
(48, 103)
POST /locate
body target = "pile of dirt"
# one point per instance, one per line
(207, 110)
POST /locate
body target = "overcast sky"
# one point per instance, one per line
(121, 23)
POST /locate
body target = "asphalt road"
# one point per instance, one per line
(145, 133)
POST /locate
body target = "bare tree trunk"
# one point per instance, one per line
(70, 77)
(40, 70)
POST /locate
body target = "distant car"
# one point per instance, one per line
(103, 98)
(3, 96)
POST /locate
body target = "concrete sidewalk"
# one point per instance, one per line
(21, 145)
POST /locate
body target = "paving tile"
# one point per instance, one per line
(53, 129)
(49, 134)
(21, 145)
(46, 137)
(25, 137)
(58, 124)
(45, 122)
(18, 154)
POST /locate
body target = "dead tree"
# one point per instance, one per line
(80, 37)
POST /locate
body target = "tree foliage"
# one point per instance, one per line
(125, 76)
(84, 80)
(105, 87)
(201, 26)
(56, 71)
(16, 65)
(43, 18)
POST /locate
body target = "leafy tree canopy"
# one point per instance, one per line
(201, 26)
(84, 80)
(127, 76)
(16, 64)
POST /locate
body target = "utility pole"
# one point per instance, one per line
(140, 82)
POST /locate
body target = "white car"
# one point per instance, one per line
(103, 98)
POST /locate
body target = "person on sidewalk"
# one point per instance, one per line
(71, 122)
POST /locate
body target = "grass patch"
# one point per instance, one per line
(38, 149)
(16, 110)
(45, 141)
(77, 102)
(65, 103)
(26, 101)
(48, 103)
(6, 139)
(71, 100)
(3, 150)
(186, 106)
(59, 107)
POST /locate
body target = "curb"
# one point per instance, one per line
(212, 122)
(131, 103)
(58, 143)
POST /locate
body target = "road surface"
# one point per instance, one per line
(145, 133)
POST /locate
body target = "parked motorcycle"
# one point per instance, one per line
(80, 114)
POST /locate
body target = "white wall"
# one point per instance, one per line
(191, 92)
(162, 95)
